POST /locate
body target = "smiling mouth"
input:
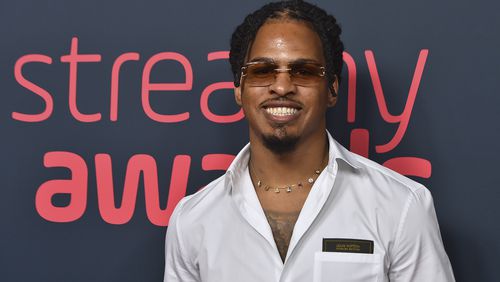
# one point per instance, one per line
(281, 111)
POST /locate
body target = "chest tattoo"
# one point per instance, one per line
(282, 224)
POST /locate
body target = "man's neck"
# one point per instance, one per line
(281, 169)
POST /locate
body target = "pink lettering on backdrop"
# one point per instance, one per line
(360, 138)
(205, 95)
(351, 88)
(216, 162)
(411, 166)
(115, 81)
(147, 86)
(47, 98)
(404, 118)
(76, 187)
(146, 165)
(73, 59)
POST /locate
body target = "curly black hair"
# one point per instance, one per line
(325, 25)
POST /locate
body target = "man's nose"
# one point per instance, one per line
(282, 84)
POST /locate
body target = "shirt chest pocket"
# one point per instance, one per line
(346, 267)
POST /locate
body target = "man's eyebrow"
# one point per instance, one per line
(296, 61)
(304, 61)
(261, 59)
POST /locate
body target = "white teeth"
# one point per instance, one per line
(281, 111)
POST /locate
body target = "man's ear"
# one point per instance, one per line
(334, 92)
(237, 95)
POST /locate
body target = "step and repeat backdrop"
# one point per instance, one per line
(112, 111)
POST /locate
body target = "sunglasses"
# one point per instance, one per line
(264, 73)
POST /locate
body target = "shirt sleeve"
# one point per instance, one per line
(419, 253)
(177, 266)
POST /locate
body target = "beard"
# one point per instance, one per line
(280, 143)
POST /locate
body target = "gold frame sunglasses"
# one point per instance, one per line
(264, 73)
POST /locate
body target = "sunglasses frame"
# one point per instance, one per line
(279, 70)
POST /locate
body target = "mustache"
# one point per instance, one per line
(281, 100)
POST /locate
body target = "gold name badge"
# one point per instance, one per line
(344, 245)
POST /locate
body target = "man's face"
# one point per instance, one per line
(284, 113)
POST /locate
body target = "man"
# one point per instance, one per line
(295, 205)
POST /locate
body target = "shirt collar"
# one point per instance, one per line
(336, 152)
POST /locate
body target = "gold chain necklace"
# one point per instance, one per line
(289, 188)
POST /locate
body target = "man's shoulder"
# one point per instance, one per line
(214, 200)
(385, 192)
(373, 174)
(204, 200)
(386, 180)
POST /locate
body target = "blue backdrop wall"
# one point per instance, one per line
(102, 97)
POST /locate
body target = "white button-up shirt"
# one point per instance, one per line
(221, 234)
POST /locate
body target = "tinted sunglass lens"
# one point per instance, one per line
(261, 73)
(306, 74)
